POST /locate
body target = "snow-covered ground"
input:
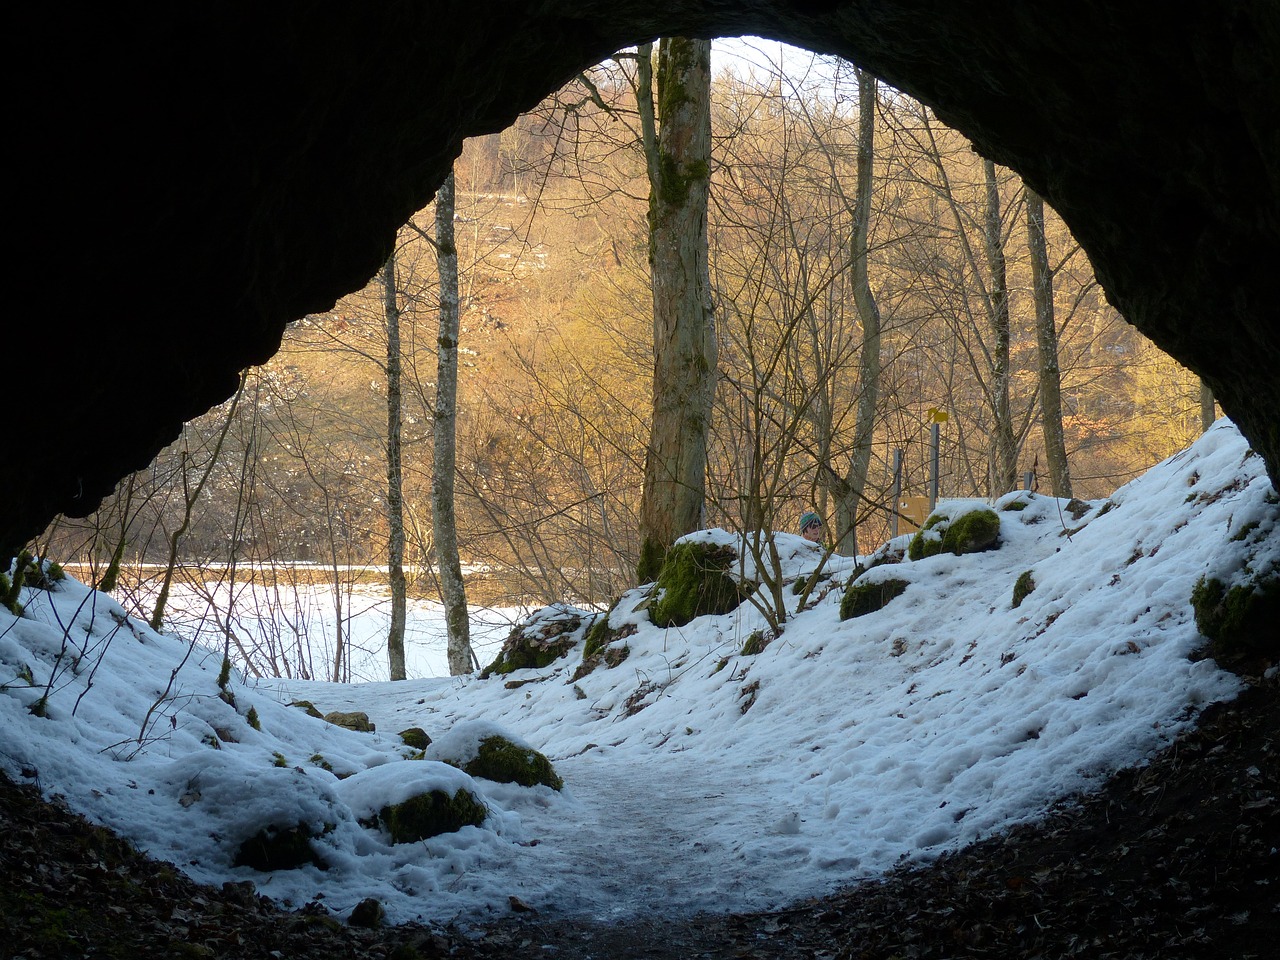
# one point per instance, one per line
(696, 777)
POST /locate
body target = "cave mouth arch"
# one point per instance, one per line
(202, 177)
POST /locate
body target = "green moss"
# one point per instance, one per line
(923, 546)
(649, 566)
(754, 644)
(431, 814)
(275, 848)
(501, 760)
(598, 637)
(415, 737)
(309, 707)
(1243, 532)
(319, 760)
(693, 583)
(224, 675)
(279, 760)
(1024, 585)
(1239, 621)
(972, 532)
(528, 655)
(863, 598)
(11, 587)
(251, 718)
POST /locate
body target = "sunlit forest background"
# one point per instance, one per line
(288, 479)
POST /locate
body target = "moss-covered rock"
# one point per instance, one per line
(501, 760)
(694, 582)
(925, 543)
(415, 737)
(861, 598)
(355, 720)
(278, 848)
(972, 531)
(1023, 586)
(544, 638)
(431, 814)
(309, 707)
(1240, 620)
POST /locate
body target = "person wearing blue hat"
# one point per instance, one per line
(811, 527)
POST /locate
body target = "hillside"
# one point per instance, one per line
(938, 745)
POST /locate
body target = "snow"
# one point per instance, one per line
(696, 778)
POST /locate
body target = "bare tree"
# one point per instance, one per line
(395, 478)
(190, 494)
(1004, 474)
(848, 490)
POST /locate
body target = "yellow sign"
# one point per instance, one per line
(913, 511)
(936, 415)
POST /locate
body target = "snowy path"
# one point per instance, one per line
(670, 831)
(667, 831)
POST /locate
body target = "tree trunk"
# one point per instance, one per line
(395, 486)
(452, 590)
(850, 493)
(684, 342)
(1208, 407)
(1055, 449)
(1004, 473)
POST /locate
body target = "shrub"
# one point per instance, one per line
(694, 582)
(862, 598)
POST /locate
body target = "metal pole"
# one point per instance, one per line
(933, 480)
(897, 492)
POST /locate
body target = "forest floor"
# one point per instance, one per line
(1179, 858)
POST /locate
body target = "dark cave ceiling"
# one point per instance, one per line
(192, 177)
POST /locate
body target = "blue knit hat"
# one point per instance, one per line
(809, 519)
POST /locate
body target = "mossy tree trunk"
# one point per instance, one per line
(444, 518)
(677, 147)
